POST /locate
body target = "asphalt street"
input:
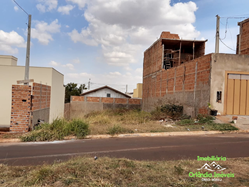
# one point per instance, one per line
(142, 148)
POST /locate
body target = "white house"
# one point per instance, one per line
(105, 91)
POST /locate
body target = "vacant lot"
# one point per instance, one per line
(85, 171)
(134, 121)
(120, 121)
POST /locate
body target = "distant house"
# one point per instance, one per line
(137, 93)
(105, 91)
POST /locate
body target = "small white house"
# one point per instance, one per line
(105, 91)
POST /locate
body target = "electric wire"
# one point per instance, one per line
(20, 7)
(227, 45)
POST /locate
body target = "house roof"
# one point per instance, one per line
(100, 88)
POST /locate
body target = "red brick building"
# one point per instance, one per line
(177, 71)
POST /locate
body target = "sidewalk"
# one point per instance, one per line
(242, 122)
(161, 134)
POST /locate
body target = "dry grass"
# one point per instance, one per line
(4, 135)
(85, 171)
(135, 121)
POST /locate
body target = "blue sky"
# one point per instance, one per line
(105, 39)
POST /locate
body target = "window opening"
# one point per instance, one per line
(218, 98)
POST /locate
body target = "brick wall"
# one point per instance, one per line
(40, 96)
(107, 100)
(177, 85)
(169, 35)
(244, 44)
(76, 98)
(20, 110)
(26, 107)
(81, 105)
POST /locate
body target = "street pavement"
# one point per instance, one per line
(142, 148)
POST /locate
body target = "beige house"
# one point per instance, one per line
(10, 73)
(137, 93)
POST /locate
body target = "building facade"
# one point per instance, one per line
(176, 71)
(47, 78)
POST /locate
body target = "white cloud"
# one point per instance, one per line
(115, 73)
(15, 8)
(46, 5)
(70, 66)
(76, 61)
(125, 28)
(67, 26)
(10, 41)
(80, 3)
(82, 37)
(65, 9)
(43, 31)
(53, 63)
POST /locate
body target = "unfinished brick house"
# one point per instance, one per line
(177, 71)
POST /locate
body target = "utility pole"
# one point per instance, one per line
(26, 76)
(126, 89)
(89, 84)
(217, 34)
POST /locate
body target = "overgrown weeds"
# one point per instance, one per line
(206, 122)
(57, 130)
(168, 111)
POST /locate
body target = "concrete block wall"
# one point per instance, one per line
(67, 111)
(21, 108)
(187, 85)
(81, 105)
(29, 103)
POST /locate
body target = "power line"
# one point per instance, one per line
(226, 45)
(235, 17)
(20, 7)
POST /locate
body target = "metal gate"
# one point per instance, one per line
(238, 94)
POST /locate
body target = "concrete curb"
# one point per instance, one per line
(187, 133)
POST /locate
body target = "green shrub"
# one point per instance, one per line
(78, 128)
(223, 127)
(172, 110)
(57, 130)
(205, 118)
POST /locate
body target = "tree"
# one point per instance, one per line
(71, 89)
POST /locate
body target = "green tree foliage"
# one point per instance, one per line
(71, 89)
